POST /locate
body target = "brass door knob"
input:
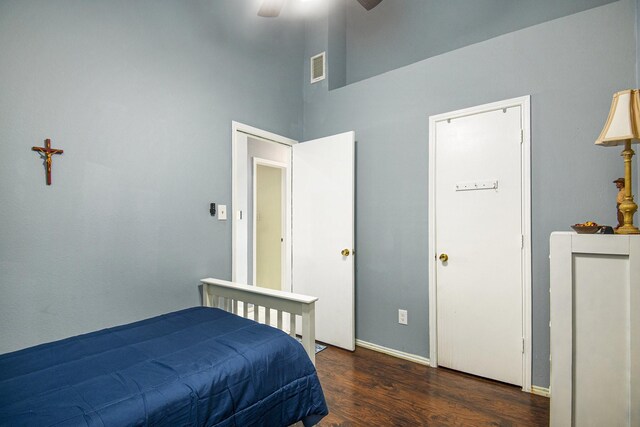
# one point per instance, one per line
(345, 252)
(444, 257)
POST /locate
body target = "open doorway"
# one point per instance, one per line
(319, 175)
(257, 153)
(269, 203)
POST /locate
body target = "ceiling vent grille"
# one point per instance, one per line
(318, 67)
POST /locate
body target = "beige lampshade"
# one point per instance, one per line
(623, 122)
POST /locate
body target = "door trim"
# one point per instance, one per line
(257, 161)
(525, 156)
(240, 131)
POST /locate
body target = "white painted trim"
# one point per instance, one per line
(257, 161)
(431, 260)
(524, 102)
(395, 353)
(540, 391)
(262, 134)
(527, 294)
(237, 130)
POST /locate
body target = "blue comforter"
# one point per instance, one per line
(200, 366)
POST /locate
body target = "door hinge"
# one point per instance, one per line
(521, 136)
(522, 241)
(522, 345)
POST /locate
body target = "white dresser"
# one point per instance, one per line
(595, 330)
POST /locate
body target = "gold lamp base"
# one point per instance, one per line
(628, 207)
(627, 230)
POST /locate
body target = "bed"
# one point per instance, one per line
(193, 367)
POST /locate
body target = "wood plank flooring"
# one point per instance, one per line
(367, 388)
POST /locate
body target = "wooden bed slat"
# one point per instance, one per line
(292, 325)
(280, 316)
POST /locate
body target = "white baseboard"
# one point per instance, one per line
(395, 353)
(540, 391)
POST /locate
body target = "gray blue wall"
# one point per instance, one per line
(401, 32)
(140, 95)
(570, 66)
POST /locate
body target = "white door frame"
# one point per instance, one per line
(239, 133)
(525, 153)
(257, 161)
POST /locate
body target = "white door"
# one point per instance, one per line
(479, 242)
(323, 226)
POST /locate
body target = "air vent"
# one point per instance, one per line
(318, 67)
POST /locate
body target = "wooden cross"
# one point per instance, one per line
(46, 152)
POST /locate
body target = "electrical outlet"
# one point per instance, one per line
(402, 317)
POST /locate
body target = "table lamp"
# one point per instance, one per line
(623, 127)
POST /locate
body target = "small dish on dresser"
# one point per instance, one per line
(588, 227)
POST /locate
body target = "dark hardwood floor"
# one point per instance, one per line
(367, 388)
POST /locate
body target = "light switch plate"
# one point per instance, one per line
(222, 212)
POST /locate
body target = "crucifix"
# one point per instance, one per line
(46, 152)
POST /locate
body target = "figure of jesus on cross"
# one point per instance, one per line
(46, 152)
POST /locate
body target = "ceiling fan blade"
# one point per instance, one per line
(369, 4)
(270, 8)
